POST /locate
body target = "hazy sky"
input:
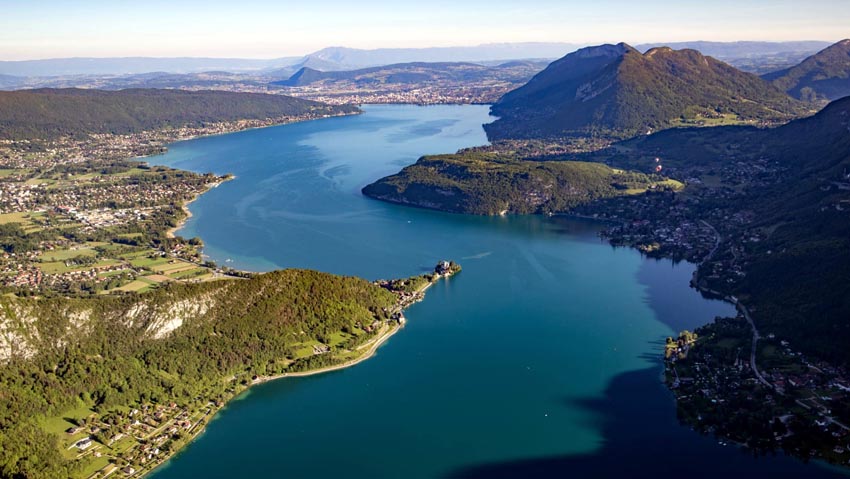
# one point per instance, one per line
(266, 29)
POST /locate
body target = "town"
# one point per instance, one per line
(790, 402)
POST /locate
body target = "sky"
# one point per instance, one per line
(34, 29)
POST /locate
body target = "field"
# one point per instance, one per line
(64, 255)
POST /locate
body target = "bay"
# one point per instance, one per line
(540, 359)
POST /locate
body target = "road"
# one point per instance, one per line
(743, 309)
(753, 350)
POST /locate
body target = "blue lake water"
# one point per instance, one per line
(539, 360)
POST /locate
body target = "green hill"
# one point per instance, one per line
(418, 73)
(615, 91)
(796, 278)
(821, 77)
(494, 183)
(190, 344)
(50, 113)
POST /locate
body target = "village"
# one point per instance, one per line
(453, 94)
(793, 403)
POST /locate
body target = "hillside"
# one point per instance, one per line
(414, 73)
(494, 183)
(820, 78)
(753, 57)
(190, 345)
(52, 113)
(781, 199)
(615, 91)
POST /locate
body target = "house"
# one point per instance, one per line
(442, 267)
(83, 444)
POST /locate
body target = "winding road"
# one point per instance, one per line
(743, 309)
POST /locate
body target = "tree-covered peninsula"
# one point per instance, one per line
(492, 183)
(121, 382)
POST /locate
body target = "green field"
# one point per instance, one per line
(189, 273)
(66, 254)
(137, 285)
(23, 217)
(148, 262)
(175, 267)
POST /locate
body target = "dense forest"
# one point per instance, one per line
(820, 78)
(492, 183)
(796, 276)
(50, 113)
(123, 351)
(615, 91)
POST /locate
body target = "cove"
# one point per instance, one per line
(541, 359)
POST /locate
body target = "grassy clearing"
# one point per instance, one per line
(93, 465)
(137, 285)
(189, 273)
(175, 267)
(338, 338)
(4, 172)
(108, 274)
(157, 278)
(66, 254)
(23, 217)
(56, 267)
(148, 262)
(61, 422)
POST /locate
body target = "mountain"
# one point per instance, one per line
(352, 58)
(184, 343)
(496, 183)
(732, 50)
(754, 57)
(135, 65)
(615, 91)
(50, 113)
(327, 59)
(416, 73)
(795, 276)
(821, 77)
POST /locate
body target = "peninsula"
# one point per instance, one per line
(118, 341)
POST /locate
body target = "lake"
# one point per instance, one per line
(540, 359)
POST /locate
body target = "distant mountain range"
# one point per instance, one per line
(342, 58)
(728, 50)
(327, 59)
(616, 91)
(821, 77)
(135, 65)
(50, 113)
(417, 73)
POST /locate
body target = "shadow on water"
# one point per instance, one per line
(630, 449)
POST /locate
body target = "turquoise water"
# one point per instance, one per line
(540, 359)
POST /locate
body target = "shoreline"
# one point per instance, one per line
(373, 348)
(172, 232)
(372, 345)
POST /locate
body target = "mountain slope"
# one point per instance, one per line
(51, 113)
(414, 73)
(183, 343)
(795, 274)
(821, 77)
(615, 91)
(492, 183)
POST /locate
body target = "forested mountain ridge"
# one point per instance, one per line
(820, 78)
(420, 73)
(782, 210)
(495, 183)
(615, 91)
(186, 344)
(50, 113)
